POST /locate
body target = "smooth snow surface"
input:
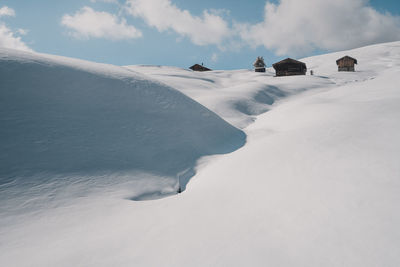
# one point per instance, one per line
(67, 117)
(317, 183)
(237, 96)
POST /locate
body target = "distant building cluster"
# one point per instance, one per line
(289, 66)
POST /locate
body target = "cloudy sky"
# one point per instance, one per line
(224, 34)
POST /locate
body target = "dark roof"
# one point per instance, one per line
(199, 67)
(355, 60)
(288, 60)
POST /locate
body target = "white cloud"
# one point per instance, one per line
(22, 31)
(9, 38)
(6, 11)
(298, 27)
(208, 29)
(289, 27)
(87, 23)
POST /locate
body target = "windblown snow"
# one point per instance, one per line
(316, 184)
(67, 117)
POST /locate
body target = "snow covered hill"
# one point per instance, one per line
(238, 96)
(316, 184)
(61, 116)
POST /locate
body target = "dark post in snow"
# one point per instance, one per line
(179, 185)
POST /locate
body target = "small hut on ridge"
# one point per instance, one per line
(198, 67)
(289, 66)
(346, 63)
(259, 65)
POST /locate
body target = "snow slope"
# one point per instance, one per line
(317, 183)
(63, 117)
(238, 96)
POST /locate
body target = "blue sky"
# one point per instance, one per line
(243, 29)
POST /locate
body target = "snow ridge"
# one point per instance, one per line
(63, 116)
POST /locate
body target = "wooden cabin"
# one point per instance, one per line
(289, 66)
(259, 65)
(198, 67)
(346, 63)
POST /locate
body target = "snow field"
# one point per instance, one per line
(317, 183)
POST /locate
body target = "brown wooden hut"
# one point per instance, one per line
(259, 65)
(198, 67)
(346, 63)
(288, 67)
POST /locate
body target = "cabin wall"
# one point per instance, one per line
(289, 73)
(290, 69)
(346, 65)
(260, 70)
(346, 68)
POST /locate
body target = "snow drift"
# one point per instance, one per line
(238, 96)
(64, 116)
(317, 183)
